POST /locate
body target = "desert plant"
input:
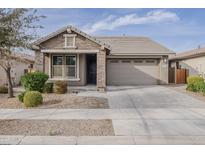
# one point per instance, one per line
(60, 87)
(191, 87)
(3, 90)
(195, 84)
(21, 96)
(48, 87)
(34, 81)
(194, 79)
(32, 99)
(200, 86)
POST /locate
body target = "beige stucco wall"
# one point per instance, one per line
(195, 65)
(163, 71)
(16, 72)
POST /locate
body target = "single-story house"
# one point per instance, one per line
(192, 60)
(19, 68)
(74, 56)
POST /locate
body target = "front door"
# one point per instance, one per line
(91, 68)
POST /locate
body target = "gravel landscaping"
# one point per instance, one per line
(58, 101)
(57, 127)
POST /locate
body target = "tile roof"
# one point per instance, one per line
(134, 45)
(189, 54)
(122, 45)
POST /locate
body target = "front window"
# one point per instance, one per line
(71, 66)
(65, 66)
(57, 66)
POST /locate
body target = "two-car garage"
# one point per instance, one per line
(136, 61)
(132, 71)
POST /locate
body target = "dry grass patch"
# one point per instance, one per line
(59, 101)
(57, 127)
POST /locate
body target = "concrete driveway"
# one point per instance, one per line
(157, 114)
(164, 113)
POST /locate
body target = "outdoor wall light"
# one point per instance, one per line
(165, 60)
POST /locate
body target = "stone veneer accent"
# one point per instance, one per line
(38, 66)
(101, 70)
(46, 63)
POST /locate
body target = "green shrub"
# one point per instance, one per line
(194, 79)
(3, 90)
(48, 87)
(195, 84)
(191, 87)
(200, 86)
(34, 81)
(60, 87)
(32, 99)
(21, 96)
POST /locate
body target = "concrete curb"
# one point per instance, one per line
(101, 140)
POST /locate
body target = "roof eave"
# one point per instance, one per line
(187, 57)
(121, 54)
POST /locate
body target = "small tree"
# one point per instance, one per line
(16, 31)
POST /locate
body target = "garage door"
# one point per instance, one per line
(132, 71)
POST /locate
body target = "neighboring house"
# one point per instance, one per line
(18, 68)
(193, 61)
(74, 56)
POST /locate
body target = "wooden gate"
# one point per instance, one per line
(181, 76)
(171, 75)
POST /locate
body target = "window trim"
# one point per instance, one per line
(66, 36)
(64, 77)
(53, 67)
(71, 77)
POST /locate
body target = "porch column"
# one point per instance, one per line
(163, 67)
(38, 65)
(101, 70)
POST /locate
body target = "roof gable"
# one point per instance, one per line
(70, 28)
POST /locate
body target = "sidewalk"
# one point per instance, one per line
(100, 140)
(69, 114)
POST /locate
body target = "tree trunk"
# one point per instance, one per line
(10, 86)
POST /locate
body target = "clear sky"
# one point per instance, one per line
(177, 29)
